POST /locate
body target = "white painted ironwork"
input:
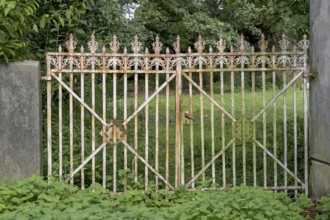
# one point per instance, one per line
(137, 134)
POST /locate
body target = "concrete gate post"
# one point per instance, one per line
(20, 120)
(319, 133)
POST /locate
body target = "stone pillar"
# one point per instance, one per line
(20, 120)
(319, 134)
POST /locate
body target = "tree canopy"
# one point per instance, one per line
(29, 28)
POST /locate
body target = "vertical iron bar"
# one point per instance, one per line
(82, 122)
(254, 129)
(60, 117)
(71, 120)
(243, 118)
(295, 126)
(146, 185)
(136, 102)
(305, 124)
(157, 125)
(167, 121)
(104, 116)
(223, 143)
(264, 127)
(212, 117)
(114, 127)
(49, 118)
(93, 120)
(274, 120)
(201, 103)
(232, 99)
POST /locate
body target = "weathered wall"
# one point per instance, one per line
(319, 134)
(20, 120)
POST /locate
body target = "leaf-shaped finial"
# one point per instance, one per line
(71, 44)
(221, 44)
(136, 45)
(210, 49)
(200, 44)
(114, 44)
(304, 44)
(157, 46)
(167, 50)
(252, 49)
(103, 49)
(82, 49)
(146, 51)
(189, 49)
(176, 45)
(60, 48)
(231, 49)
(242, 43)
(273, 48)
(125, 50)
(93, 44)
(263, 44)
(284, 43)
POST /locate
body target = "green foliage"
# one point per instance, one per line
(16, 26)
(34, 198)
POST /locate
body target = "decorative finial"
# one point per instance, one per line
(304, 44)
(103, 49)
(71, 44)
(125, 50)
(210, 49)
(273, 48)
(167, 50)
(200, 44)
(93, 44)
(284, 43)
(136, 45)
(231, 49)
(189, 49)
(157, 46)
(146, 51)
(60, 48)
(242, 43)
(252, 49)
(176, 45)
(263, 44)
(114, 44)
(82, 49)
(221, 44)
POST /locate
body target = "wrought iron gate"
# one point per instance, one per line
(228, 131)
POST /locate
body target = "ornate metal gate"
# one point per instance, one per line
(221, 128)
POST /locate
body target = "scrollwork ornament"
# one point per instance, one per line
(71, 44)
(284, 43)
(221, 44)
(199, 44)
(304, 44)
(136, 45)
(93, 44)
(114, 44)
(157, 45)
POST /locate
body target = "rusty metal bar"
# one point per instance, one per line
(209, 97)
(305, 124)
(114, 147)
(167, 121)
(146, 149)
(82, 124)
(71, 119)
(49, 119)
(148, 165)
(280, 163)
(286, 87)
(125, 127)
(210, 162)
(157, 126)
(93, 120)
(136, 102)
(264, 126)
(274, 121)
(254, 152)
(191, 122)
(79, 99)
(212, 117)
(295, 147)
(232, 100)
(104, 116)
(148, 100)
(60, 122)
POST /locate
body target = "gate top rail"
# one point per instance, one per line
(288, 58)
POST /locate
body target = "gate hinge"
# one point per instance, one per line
(46, 78)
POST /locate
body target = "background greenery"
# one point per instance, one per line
(29, 28)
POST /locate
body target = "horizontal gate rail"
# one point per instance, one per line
(246, 131)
